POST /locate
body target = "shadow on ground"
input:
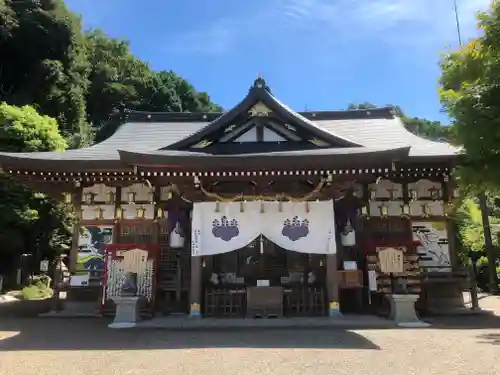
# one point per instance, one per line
(93, 334)
(464, 322)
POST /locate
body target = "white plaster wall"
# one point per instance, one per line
(130, 211)
(88, 212)
(393, 208)
(382, 189)
(422, 187)
(99, 190)
(142, 193)
(434, 208)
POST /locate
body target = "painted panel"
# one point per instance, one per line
(91, 246)
(431, 239)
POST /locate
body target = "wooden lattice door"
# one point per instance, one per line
(174, 273)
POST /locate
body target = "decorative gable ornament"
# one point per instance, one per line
(259, 109)
(176, 237)
(348, 235)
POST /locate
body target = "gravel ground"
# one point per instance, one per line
(85, 346)
(460, 345)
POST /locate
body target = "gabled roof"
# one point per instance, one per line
(259, 93)
(165, 136)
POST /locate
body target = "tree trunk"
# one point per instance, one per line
(488, 243)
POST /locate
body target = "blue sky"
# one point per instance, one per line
(319, 54)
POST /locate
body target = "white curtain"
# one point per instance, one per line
(223, 230)
(302, 227)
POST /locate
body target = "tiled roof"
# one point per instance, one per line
(388, 132)
(373, 129)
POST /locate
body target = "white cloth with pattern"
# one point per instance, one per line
(298, 226)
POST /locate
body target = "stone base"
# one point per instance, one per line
(403, 310)
(127, 312)
(414, 325)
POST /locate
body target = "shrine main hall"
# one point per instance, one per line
(259, 211)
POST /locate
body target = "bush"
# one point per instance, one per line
(38, 287)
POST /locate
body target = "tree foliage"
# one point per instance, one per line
(30, 222)
(470, 92)
(118, 80)
(62, 86)
(43, 62)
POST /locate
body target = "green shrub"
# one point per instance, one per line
(38, 288)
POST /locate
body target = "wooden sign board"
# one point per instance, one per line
(135, 261)
(391, 259)
(44, 266)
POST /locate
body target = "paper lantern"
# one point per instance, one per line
(348, 235)
(176, 238)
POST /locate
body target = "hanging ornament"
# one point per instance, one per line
(131, 197)
(119, 213)
(159, 213)
(176, 238)
(98, 213)
(140, 212)
(110, 197)
(67, 198)
(348, 235)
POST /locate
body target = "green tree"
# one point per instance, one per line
(30, 222)
(43, 62)
(118, 80)
(470, 92)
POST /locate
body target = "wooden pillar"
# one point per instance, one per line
(118, 204)
(77, 209)
(332, 285)
(195, 287)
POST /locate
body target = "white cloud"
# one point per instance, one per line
(313, 23)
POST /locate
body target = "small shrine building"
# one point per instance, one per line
(259, 210)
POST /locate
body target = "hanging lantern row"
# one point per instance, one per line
(89, 197)
(435, 194)
(405, 211)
